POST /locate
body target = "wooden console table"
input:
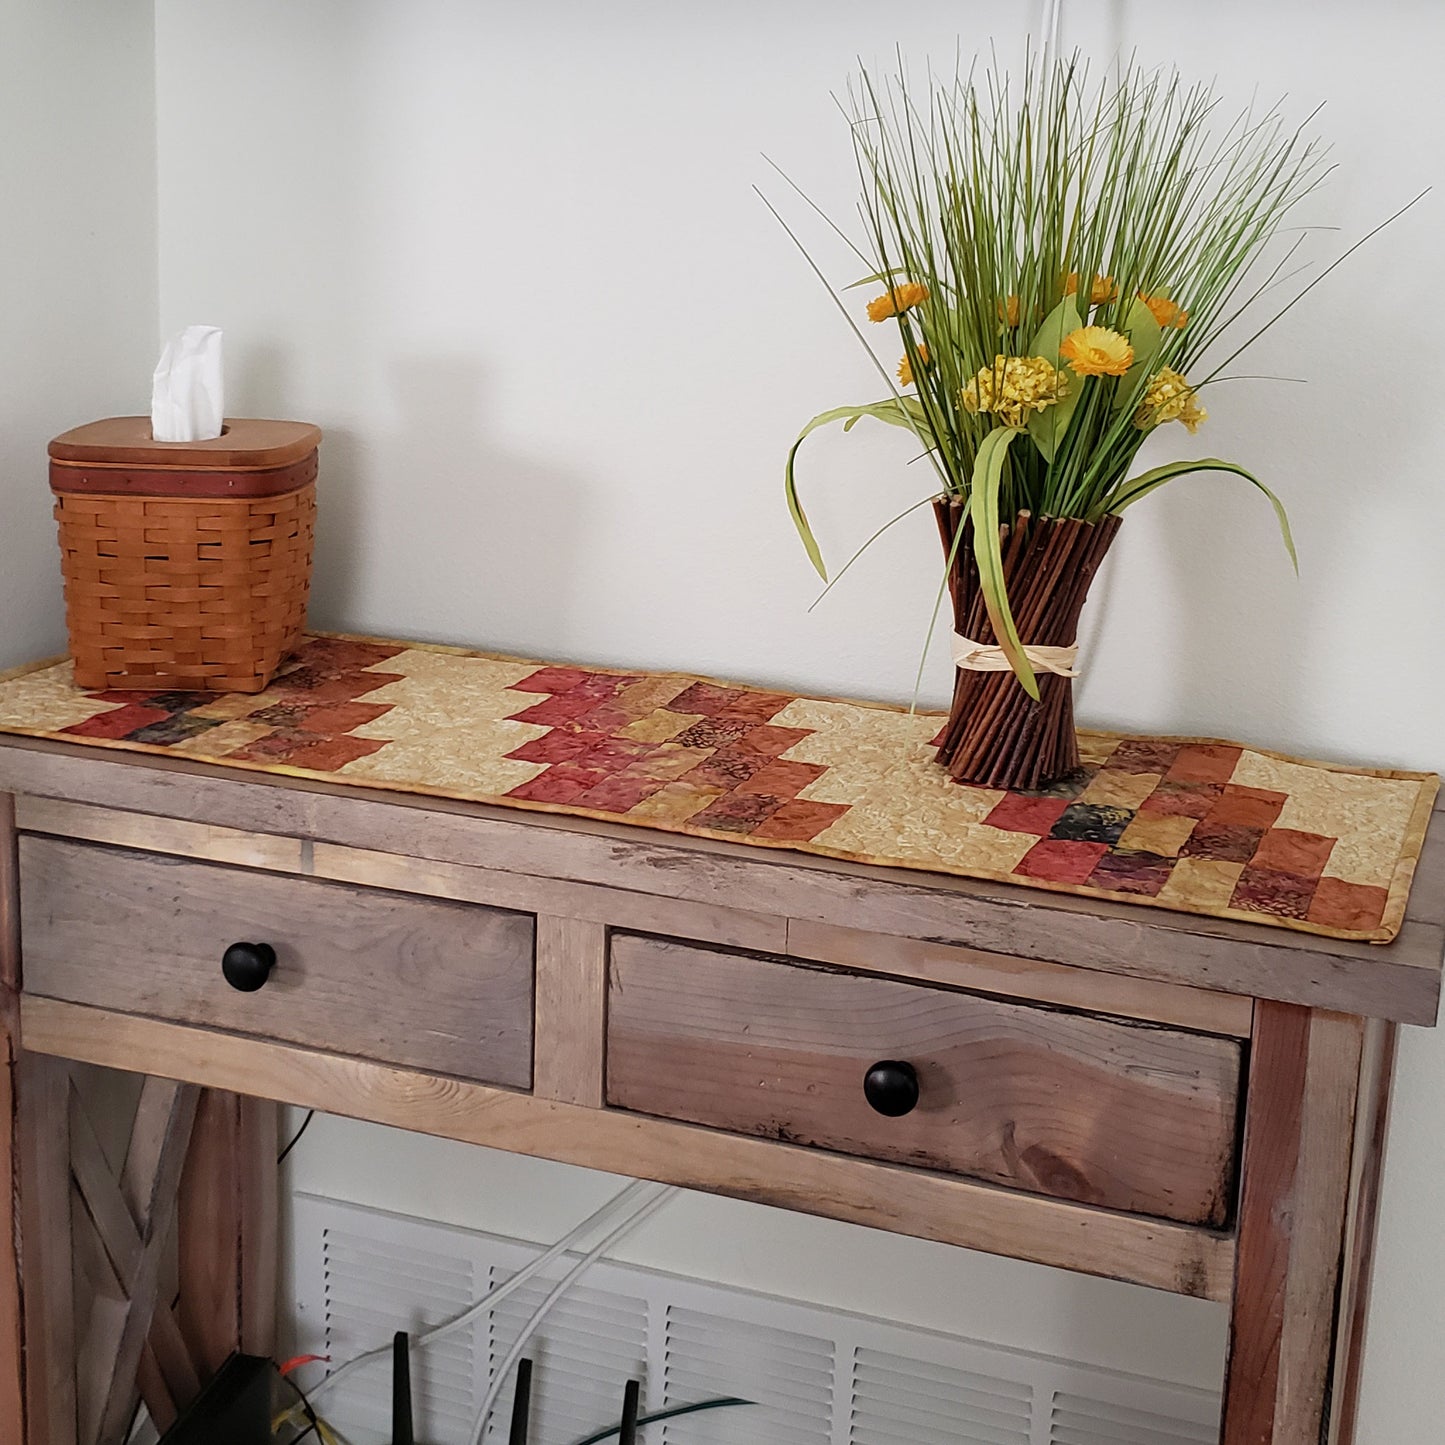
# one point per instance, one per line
(1192, 1104)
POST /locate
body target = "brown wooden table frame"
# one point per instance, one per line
(99, 1238)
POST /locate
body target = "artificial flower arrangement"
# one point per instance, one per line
(1058, 259)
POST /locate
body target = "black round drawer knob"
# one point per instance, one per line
(891, 1087)
(248, 965)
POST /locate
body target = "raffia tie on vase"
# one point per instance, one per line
(984, 657)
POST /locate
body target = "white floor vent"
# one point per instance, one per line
(818, 1377)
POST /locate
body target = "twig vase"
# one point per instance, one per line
(997, 736)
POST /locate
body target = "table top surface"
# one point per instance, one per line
(1399, 981)
(1190, 825)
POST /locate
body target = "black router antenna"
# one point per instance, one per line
(521, 1404)
(627, 1435)
(401, 1423)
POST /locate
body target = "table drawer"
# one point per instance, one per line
(409, 980)
(1128, 1116)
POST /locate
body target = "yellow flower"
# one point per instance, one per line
(1013, 387)
(1008, 311)
(1168, 397)
(1103, 289)
(905, 369)
(1165, 311)
(1097, 351)
(896, 301)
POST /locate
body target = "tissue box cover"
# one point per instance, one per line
(187, 564)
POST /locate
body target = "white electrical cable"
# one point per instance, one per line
(499, 1379)
(496, 1296)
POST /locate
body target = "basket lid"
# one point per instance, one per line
(245, 443)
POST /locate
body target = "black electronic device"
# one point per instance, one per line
(234, 1408)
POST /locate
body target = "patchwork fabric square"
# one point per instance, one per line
(1091, 823)
(1202, 826)
(1121, 871)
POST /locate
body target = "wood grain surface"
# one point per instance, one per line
(12, 1374)
(1372, 1121)
(1190, 1008)
(46, 1263)
(1196, 1009)
(1299, 1127)
(228, 1220)
(441, 985)
(1181, 1258)
(1400, 982)
(571, 1010)
(1117, 1115)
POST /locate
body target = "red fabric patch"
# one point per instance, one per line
(557, 746)
(736, 812)
(1356, 906)
(345, 654)
(767, 740)
(1284, 895)
(705, 698)
(759, 706)
(739, 703)
(118, 724)
(1182, 800)
(303, 750)
(557, 711)
(564, 783)
(311, 686)
(1143, 755)
(1057, 861)
(1124, 871)
(1016, 813)
(618, 794)
(800, 820)
(1286, 850)
(1250, 807)
(1204, 763)
(729, 767)
(1223, 842)
(783, 779)
(552, 679)
(342, 717)
(612, 755)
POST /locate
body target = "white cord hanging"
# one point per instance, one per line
(499, 1378)
(629, 1196)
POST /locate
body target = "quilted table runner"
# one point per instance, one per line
(1184, 823)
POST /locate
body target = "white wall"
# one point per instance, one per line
(507, 256)
(77, 266)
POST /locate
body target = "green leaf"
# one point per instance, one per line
(1146, 336)
(1142, 485)
(988, 549)
(1047, 427)
(877, 278)
(895, 411)
(1063, 319)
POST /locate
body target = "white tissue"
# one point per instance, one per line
(186, 395)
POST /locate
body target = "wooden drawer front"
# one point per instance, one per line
(1130, 1117)
(418, 981)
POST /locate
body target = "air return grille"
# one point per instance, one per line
(817, 1377)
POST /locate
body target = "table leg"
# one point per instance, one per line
(12, 1379)
(228, 1230)
(1298, 1149)
(46, 1273)
(12, 1375)
(1372, 1119)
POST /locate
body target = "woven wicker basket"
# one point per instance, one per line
(187, 565)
